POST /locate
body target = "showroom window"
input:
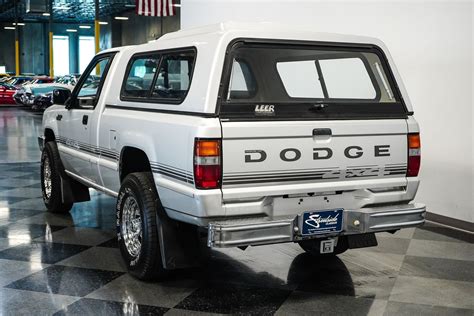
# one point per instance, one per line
(174, 76)
(86, 51)
(61, 60)
(140, 76)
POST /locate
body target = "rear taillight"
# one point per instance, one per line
(207, 163)
(414, 155)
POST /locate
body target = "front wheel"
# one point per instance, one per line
(137, 226)
(313, 247)
(51, 169)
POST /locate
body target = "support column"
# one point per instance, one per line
(97, 27)
(17, 41)
(73, 52)
(50, 39)
(97, 33)
(161, 26)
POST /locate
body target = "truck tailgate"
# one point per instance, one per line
(279, 153)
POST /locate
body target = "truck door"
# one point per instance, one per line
(74, 122)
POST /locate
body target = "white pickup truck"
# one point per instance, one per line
(239, 134)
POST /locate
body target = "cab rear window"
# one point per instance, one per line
(308, 81)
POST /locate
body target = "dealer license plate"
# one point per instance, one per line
(321, 222)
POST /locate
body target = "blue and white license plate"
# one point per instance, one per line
(321, 222)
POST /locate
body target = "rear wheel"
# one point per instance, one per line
(137, 226)
(313, 246)
(51, 172)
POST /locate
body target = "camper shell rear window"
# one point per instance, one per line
(295, 80)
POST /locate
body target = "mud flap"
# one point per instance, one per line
(73, 191)
(362, 241)
(179, 243)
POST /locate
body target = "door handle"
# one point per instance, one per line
(59, 117)
(322, 132)
(85, 119)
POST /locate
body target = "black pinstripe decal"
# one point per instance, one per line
(314, 174)
(166, 170)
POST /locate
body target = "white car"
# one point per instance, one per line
(27, 93)
(242, 134)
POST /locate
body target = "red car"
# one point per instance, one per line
(6, 94)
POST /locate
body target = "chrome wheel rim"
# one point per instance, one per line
(132, 226)
(47, 177)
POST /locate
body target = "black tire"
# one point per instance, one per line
(312, 246)
(52, 197)
(145, 263)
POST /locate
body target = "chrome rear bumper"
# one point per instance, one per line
(261, 230)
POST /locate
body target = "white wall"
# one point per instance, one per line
(431, 42)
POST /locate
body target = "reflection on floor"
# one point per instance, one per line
(69, 264)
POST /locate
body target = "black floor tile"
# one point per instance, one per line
(220, 269)
(25, 230)
(89, 306)
(323, 275)
(112, 243)
(407, 309)
(438, 268)
(65, 280)
(42, 252)
(235, 300)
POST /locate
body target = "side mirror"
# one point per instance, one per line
(60, 96)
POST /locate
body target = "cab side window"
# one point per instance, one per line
(140, 76)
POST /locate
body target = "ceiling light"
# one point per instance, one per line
(71, 30)
(9, 27)
(121, 18)
(103, 23)
(46, 14)
(19, 24)
(177, 5)
(84, 26)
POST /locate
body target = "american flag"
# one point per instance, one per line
(155, 7)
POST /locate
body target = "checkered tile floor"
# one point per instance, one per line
(70, 264)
